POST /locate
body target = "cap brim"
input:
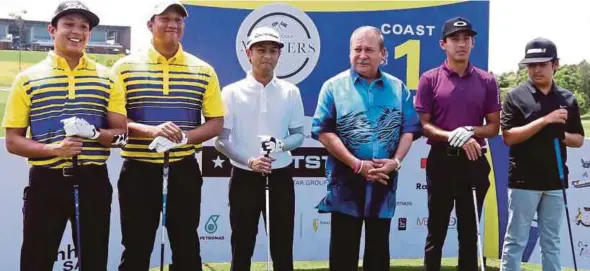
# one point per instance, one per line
(164, 8)
(536, 60)
(93, 20)
(470, 31)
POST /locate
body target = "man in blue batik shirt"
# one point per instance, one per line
(366, 120)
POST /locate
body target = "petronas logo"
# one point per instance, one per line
(316, 224)
(211, 224)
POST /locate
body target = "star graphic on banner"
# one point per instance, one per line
(218, 162)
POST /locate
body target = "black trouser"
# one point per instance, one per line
(140, 199)
(345, 241)
(450, 177)
(49, 204)
(247, 200)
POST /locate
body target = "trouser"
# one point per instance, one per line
(345, 235)
(522, 206)
(247, 201)
(450, 178)
(140, 199)
(49, 204)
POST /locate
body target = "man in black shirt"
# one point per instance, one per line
(532, 116)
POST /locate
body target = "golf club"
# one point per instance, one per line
(77, 212)
(267, 203)
(165, 171)
(567, 213)
(479, 247)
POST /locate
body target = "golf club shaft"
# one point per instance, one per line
(165, 172)
(267, 203)
(479, 245)
(567, 213)
(77, 213)
(267, 188)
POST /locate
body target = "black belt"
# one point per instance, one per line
(453, 151)
(67, 171)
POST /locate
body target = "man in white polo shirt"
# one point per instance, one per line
(264, 114)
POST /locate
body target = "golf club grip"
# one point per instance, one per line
(559, 160)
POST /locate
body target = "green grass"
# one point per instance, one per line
(448, 264)
(586, 124)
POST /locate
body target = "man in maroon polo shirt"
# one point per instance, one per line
(453, 100)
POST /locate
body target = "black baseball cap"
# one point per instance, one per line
(539, 50)
(72, 6)
(457, 24)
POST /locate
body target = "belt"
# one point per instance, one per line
(453, 151)
(67, 172)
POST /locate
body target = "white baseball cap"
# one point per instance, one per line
(264, 33)
(160, 7)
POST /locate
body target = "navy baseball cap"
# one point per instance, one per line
(457, 24)
(539, 50)
(69, 7)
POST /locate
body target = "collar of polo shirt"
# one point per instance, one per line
(533, 89)
(450, 71)
(253, 81)
(156, 57)
(61, 63)
(356, 76)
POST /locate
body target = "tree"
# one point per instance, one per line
(575, 78)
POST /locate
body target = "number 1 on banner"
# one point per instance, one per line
(411, 49)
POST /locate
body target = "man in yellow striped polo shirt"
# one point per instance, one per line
(66, 84)
(167, 91)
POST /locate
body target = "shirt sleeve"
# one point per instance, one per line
(297, 113)
(424, 96)
(18, 105)
(574, 121)
(492, 97)
(228, 119)
(410, 121)
(510, 116)
(117, 99)
(324, 119)
(212, 102)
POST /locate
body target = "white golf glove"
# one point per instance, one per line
(75, 126)
(459, 136)
(270, 144)
(162, 144)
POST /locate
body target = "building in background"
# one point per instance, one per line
(33, 36)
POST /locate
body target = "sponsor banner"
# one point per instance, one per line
(307, 162)
(312, 230)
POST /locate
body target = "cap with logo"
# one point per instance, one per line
(160, 7)
(264, 33)
(69, 7)
(457, 24)
(539, 50)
